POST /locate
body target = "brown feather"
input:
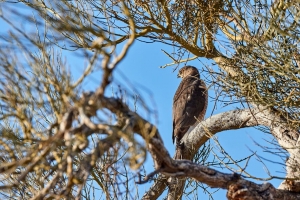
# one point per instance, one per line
(189, 102)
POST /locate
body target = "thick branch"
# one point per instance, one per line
(237, 119)
(238, 188)
(240, 119)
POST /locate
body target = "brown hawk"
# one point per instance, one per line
(189, 102)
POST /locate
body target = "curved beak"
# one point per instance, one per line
(178, 76)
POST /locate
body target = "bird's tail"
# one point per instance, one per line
(178, 153)
(178, 148)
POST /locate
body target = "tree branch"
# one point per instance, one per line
(237, 119)
(237, 186)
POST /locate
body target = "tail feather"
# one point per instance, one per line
(178, 149)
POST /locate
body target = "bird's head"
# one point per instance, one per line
(188, 71)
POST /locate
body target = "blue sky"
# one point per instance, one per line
(142, 67)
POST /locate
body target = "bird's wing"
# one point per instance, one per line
(188, 103)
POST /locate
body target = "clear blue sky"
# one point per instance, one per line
(142, 67)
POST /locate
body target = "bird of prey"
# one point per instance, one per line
(189, 102)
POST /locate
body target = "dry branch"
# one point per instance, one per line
(230, 120)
